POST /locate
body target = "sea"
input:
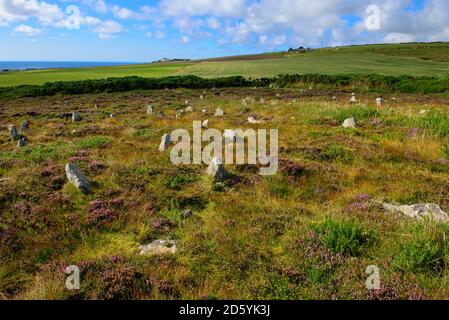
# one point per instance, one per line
(30, 65)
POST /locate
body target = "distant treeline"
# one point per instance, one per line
(354, 82)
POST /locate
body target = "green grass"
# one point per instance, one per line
(323, 63)
(37, 77)
(345, 236)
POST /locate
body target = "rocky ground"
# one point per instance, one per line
(375, 193)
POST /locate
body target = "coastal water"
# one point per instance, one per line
(26, 65)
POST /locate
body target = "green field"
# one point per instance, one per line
(41, 76)
(427, 59)
(320, 63)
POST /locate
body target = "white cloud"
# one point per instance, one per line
(26, 30)
(22, 10)
(217, 8)
(108, 29)
(159, 34)
(185, 39)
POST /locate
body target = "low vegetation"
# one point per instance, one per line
(308, 232)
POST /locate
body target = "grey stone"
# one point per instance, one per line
(205, 123)
(350, 123)
(253, 120)
(158, 247)
(420, 211)
(216, 170)
(22, 142)
(379, 101)
(75, 176)
(13, 132)
(187, 214)
(165, 142)
(219, 112)
(150, 110)
(24, 126)
(76, 117)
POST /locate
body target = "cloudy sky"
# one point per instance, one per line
(145, 30)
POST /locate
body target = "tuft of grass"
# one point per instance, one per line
(446, 151)
(336, 152)
(426, 252)
(435, 121)
(359, 113)
(94, 142)
(347, 237)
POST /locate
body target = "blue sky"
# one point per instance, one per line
(146, 30)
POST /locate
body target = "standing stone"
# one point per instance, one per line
(76, 117)
(22, 142)
(187, 214)
(201, 97)
(379, 102)
(350, 123)
(189, 109)
(96, 106)
(219, 113)
(165, 142)
(13, 132)
(205, 124)
(75, 176)
(353, 98)
(187, 101)
(149, 110)
(244, 103)
(204, 111)
(24, 126)
(216, 170)
(262, 100)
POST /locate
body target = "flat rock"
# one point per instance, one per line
(158, 247)
(75, 176)
(419, 211)
(253, 120)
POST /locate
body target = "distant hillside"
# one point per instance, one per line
(417, 59)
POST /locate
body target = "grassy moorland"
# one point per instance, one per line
(308, 232)
(37, 77)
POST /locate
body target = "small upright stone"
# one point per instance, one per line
(350, 123)
(187, 214)
(205, 123)
(189, 109)
(201, 97)
(219, 112)
(216, 170)
(379, 102)
(13, 132)
(76, 117)
(149, 110)
(262, 100)
(165, 142)
(353, 98)
(75, 176)
(22, 142)
(160, 115)
(24, 126)
(204, 111)
(244, 103)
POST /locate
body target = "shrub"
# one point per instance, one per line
(348, 237)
